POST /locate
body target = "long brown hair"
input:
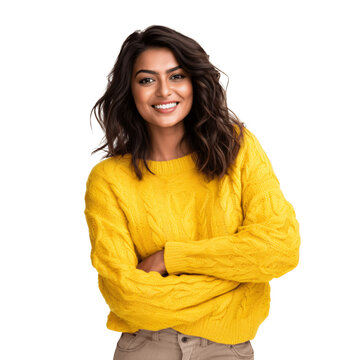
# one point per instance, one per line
(210, 125)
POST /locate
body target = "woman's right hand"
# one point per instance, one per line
(154, 262)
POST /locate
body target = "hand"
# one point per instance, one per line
(154, 262)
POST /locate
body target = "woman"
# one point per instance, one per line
(186, 218)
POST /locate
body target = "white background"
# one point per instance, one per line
(294, 80)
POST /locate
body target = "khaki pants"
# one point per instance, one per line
(169, 344)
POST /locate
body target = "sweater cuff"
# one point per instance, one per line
(173, 257)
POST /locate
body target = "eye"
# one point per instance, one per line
(145, 81)
(179, 76)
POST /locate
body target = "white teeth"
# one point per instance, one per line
(166, 106)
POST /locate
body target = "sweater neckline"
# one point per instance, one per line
(168, 167)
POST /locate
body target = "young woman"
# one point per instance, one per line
(186, 218)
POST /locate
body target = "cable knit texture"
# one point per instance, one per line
(224, 241)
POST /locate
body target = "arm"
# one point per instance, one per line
(131, 293)
(266, 246)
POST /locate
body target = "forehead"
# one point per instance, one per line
(157, 59)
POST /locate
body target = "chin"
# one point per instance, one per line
(165, 124)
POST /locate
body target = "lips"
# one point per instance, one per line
(165, 103)
(166, 109)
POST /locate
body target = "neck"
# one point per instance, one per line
(165, 143)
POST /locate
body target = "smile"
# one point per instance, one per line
(166, 106)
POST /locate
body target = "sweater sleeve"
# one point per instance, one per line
(133, 294)
(265, 246)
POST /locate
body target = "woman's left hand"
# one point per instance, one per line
(154, 262)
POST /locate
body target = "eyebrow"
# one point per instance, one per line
(156, 73)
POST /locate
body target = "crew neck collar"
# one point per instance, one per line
(168, 167)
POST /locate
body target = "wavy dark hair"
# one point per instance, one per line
(210, 125)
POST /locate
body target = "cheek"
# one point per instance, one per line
(189, 94)
(140, 98)
(190, 90)
(187, 91)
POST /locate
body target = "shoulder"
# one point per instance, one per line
(253, 161)
(112, 169)
(249, 140)
(250, 148)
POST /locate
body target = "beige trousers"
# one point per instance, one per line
(169, 344)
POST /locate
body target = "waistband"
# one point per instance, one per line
(171, 335)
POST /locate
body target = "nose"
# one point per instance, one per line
(163, 88)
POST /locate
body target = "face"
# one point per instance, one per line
(162, 90)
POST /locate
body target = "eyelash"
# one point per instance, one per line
(142, 81)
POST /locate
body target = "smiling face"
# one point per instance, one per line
(161, 89)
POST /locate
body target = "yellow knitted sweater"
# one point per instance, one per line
(224, 241)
